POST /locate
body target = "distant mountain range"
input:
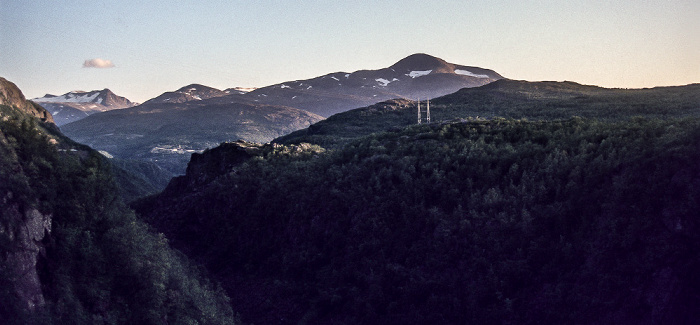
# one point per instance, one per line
(167, 128)
(76, 105)
(418, 76)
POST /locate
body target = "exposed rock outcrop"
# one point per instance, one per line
(10, 95)
(23, 231)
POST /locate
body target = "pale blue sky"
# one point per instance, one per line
(158, 46)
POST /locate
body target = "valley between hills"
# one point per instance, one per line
(332, 200)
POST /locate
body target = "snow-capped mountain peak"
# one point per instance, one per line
(71, 97)
(75, 105)
(103, 97)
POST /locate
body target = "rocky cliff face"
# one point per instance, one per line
(10, 95)
(24, 230)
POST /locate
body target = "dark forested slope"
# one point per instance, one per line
(499, 221)
(71, 252)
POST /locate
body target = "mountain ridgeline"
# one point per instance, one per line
(525, 203)
(70, 251)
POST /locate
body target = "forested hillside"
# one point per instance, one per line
(72, 253)
(510, 99)
(497, 221)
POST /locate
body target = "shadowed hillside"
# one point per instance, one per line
(499, 221)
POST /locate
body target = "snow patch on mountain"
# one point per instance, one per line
(470, 74)
(416, 74)
(383, 81)
(240, 90)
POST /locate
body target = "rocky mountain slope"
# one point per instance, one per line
(418, 76)
(76, 105)
(12, 97)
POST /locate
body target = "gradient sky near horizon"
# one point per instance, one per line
(157, 46)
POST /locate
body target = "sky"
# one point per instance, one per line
(140, 49)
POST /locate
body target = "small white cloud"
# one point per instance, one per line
(98, 63)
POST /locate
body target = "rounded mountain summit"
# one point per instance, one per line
(424, 62)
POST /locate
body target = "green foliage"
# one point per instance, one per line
(498, 221)
(102, 265)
